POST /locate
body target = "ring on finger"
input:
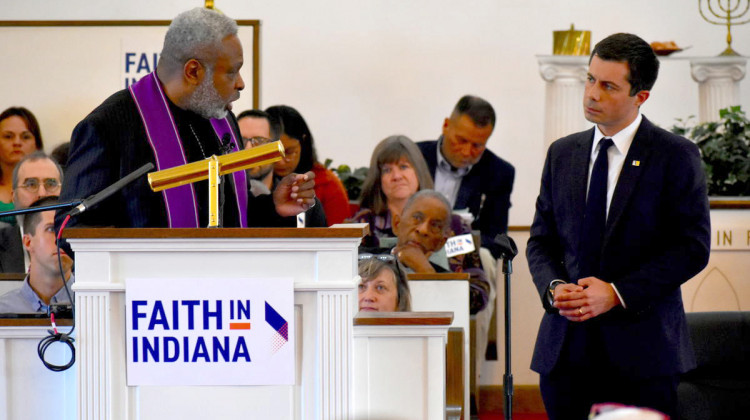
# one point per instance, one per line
(580, 312)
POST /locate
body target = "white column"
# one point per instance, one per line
(94, 358)
(565, 76)
(718, 83)
(334, 358)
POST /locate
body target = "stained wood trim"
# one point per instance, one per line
(437, 276)
(166, 233)
(12, 276)
(519, 228)
(730, 204)
(403, 318)
(454, 369)
(527, 399)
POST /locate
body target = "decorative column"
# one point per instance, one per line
(565, 76)
(718, 83)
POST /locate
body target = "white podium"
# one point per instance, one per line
(323, 264)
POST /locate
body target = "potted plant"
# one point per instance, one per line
(352, 180)
(725, 151)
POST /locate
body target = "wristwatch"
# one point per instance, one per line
(551, 291)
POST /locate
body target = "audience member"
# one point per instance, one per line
(421, 229)
(397, 171)
(383, 286)
(622, 221)
(43, 285)
(257, 128)
(301, 156)
(470, 176)
(178, 114)
(36, 176)
(19, 136)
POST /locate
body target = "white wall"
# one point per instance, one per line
(362, 70)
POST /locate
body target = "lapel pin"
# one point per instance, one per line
(636, 163)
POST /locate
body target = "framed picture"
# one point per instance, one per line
(62, 70)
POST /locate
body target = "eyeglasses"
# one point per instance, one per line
(32, 184)
(386, 258)
(257, 141)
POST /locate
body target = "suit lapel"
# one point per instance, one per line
(640, 151)
(579, 179)
(576, 182)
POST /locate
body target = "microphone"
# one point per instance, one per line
(94, 199)
(507, 246)
(226, 144)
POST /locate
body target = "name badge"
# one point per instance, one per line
(458, 245)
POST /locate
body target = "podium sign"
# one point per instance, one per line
(210, 331)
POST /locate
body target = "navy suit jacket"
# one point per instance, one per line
(11, 250)
(657, 237)
(485, 191)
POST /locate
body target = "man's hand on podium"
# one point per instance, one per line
(294, 194)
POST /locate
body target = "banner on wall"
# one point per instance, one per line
(139, 57)
(210, 331)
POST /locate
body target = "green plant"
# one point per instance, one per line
(352, 180)
(725, 150)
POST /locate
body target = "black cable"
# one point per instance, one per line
(54, 335)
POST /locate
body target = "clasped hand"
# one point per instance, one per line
(589, 298)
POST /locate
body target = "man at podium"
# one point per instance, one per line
(180, 113)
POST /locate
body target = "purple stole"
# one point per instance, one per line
(162, 134)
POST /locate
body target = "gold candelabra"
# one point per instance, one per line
(727, 13)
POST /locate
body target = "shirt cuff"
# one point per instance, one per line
(619, 296)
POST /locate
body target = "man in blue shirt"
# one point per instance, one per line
(43, 285)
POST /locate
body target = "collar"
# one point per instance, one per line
(30, 295)
(622, 139)
(445, 165)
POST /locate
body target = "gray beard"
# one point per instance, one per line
(206, 101)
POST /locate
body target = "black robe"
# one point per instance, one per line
(111, 142)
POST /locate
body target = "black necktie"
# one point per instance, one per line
(595, 216)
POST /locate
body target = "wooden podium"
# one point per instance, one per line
(323, 264)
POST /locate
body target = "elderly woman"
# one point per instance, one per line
(19, 136)
(301, 157)
(397, 171)
(383, 286)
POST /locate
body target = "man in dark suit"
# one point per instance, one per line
(610, 280)
(470, 176)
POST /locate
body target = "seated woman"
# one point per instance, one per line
(19, 136)
(301, 157)
(383, 286)
(397, 171)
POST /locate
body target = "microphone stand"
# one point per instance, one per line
(55, 206)
(508, 252)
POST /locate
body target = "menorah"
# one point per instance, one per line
(727, 13)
